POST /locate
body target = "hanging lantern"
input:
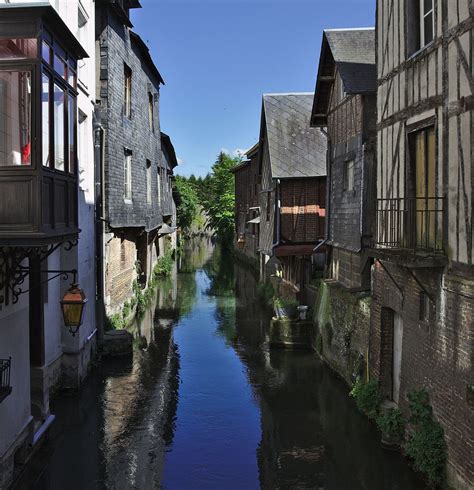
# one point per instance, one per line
(72, 306)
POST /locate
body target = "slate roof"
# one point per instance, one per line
(296, 149)
(353, 51)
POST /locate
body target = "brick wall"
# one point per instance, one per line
(437, 354)
(120, 272)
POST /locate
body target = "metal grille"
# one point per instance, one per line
(5, 388)
(410, 223)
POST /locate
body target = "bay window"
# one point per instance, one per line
(38, 125)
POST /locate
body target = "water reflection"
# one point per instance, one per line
(204, 403)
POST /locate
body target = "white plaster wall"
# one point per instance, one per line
(14, 342)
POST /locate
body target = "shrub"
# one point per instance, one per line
(392, 424)
(114, 322)
(426, 446)
(285, 303)
(367, 397)
(164, 265)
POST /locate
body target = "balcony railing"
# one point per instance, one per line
(410, 223)
(5, 388)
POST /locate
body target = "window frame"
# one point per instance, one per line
(149, 198)
(127, 176)
(151, 111)
(422, 18)
(349, 163)
(127, 91)
(158, 183)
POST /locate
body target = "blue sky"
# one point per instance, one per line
(218, 57)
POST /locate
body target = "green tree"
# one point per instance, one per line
(219, 201)
(186, 200)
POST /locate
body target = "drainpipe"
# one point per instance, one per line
(328, 195)
(99, 222)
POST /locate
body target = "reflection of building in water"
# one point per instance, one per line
(309, 429)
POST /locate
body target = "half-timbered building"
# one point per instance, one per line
(293, 189)
(345, 104)
(423, 277)
(247, 205)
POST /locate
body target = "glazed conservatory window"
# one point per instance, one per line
(45, 105)
(58, 114)
(15, 118)
(17, 48)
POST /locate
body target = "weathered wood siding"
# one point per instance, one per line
(267, 204)
(433, 84)
(303, 210)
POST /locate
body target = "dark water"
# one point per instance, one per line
(205, 404)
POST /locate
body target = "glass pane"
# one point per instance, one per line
(428, 28)
(59, 150)
(15, 118)
(428, 6)
(45, 120)
(46, 52)
(72, 77)
(17, 48)
(72, 135)
(60, 66)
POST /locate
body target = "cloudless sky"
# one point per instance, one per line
(218, 57)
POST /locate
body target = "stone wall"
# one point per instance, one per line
(437, 352)
(343, 323)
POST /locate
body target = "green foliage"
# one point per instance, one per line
(126, 310)
(392, 424)
(426, 446)
(265, 293)
(219, 203)
(367, 397)
(285, 303)
(164, 265)
(114, 322)
(187, 201)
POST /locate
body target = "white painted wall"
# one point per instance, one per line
(14, 320)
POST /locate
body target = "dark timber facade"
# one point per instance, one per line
(135, 179)
(345, 103)
(423, 288)
(293, 190)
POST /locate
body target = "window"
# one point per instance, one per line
(58, 114)
(158, 183)
(420, 24)
(15, 118)
(17, 48)
(349, 175)
(127, 92)
(148, 182)
(58, 108)
(426, 22)
(268, 206)
(127, 191)
(151, 112)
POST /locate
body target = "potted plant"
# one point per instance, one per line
(285, 308)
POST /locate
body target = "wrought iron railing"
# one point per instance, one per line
(5, 388)
(410, 223)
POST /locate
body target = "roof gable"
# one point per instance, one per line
(295, 149)
(352, 53)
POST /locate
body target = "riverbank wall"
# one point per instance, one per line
(342, 320)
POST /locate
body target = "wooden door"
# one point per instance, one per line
(425, 189)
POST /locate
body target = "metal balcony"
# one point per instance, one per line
(414, 224)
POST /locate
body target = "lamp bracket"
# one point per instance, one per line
(13, 272)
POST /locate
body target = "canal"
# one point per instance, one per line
(205, 403)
